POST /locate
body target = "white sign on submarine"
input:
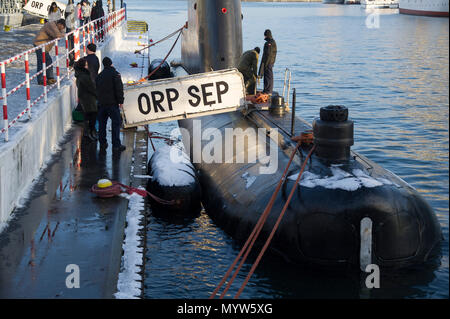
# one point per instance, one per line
(40, 7)
(183, 97)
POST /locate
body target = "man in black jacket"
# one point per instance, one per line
(268, 60)
(110, 101)
(92, 60)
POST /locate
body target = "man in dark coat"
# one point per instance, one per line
(110, 101)
(96, 13)
(93, 62)
(268, 60)
(248, 66)
(87, 96)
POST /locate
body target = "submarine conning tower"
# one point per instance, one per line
(213, 38)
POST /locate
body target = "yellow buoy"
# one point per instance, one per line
(7, 28)
(103, 183)
(42, 21)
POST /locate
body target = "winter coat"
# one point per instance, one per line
(270, 51)
(97, 11)
(47, 33)
(93, 66)
(54, 15)
(70, 16)
(100, 11)
(86, 11)
(109, 87)
(248, 64)
(86, 90)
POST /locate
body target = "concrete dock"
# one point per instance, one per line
(63, 224)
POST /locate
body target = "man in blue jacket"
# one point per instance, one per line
(110, 101)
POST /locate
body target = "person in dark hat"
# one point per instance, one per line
(267, 61)
(248, 66)
(110, 100)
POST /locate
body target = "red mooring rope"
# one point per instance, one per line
(258, 227)
(118, 188)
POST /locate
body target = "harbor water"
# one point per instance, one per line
(391, 71)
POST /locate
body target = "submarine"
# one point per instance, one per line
(347, 211)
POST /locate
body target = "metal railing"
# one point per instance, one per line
(94, 31)
(10, 6)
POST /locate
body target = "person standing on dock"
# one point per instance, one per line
(50, 31)
(70, 15)
(96, 13)
(248, 66)
(86, 11)
(110, 101)
(267, 61)
(92, 60)
(54, 13)
(87, 96)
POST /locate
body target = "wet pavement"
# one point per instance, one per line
(63, 224)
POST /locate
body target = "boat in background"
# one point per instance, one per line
(379, 4)
(352, 2)
(333, 1)
(434, 8)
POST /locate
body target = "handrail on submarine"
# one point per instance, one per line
(180, 31)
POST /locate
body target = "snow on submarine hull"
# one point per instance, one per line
(322, 225)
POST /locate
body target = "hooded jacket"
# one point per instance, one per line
(86, 90)
(270, 50)
(48, 33)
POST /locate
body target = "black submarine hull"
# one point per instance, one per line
(322, 225)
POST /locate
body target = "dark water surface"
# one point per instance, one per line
(394, 80)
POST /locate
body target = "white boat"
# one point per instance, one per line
(438, 8)
(333, 1)
(379, 4)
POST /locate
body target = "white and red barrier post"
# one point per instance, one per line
(5, 104)
(44, 70)
(27, 80)
(84, 41)
(67, 56)
(76, 40)
(58, 81)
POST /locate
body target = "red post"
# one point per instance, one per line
(67, 55)
(27, 79)
(44, 70)
(5, 104)
(58, 81)
(76, 37)
(92, 32)
(84, 41)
